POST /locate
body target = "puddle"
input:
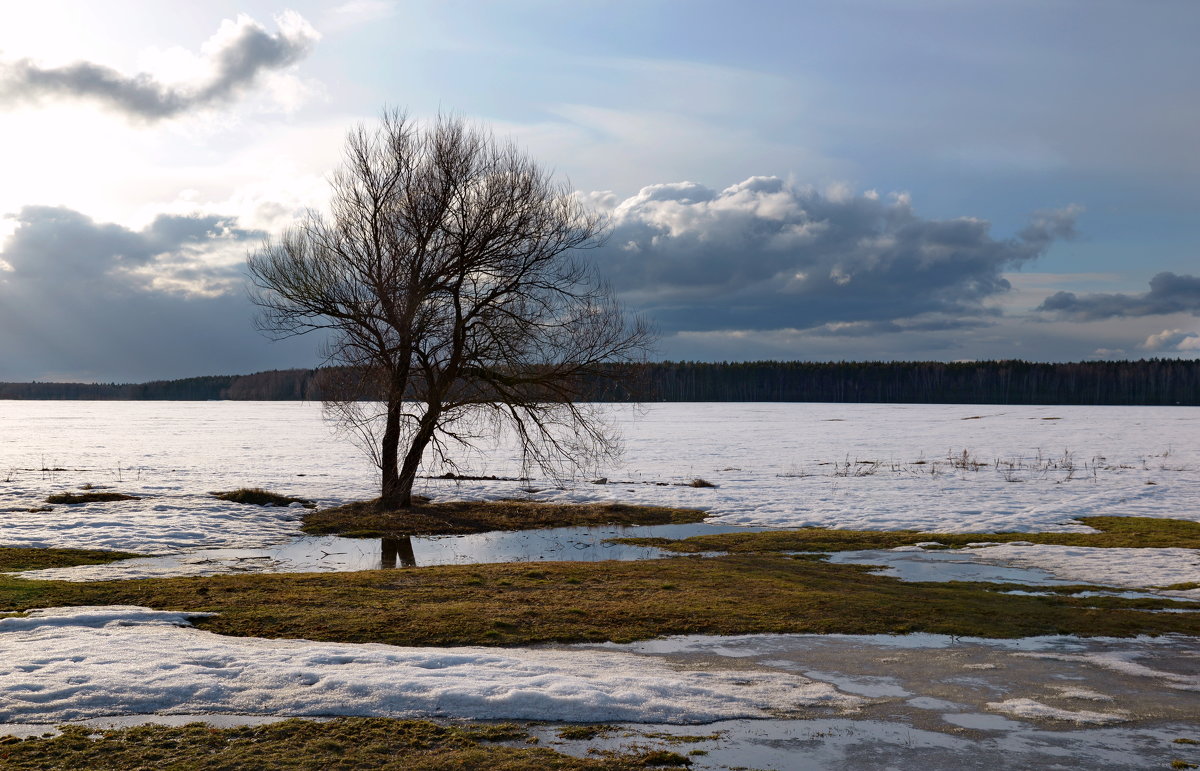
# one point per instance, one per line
(319, 554)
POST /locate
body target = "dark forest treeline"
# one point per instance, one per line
(1145, 382)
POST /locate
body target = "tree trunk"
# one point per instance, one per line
(391, 495)
(412, 460)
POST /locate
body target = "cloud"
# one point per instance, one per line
(763, 254)
(237, 56)
(100, 301)
(64, 249)
(1173, 340)
(875, 328)
(1169, 293)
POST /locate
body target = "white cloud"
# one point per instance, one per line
(238, 56)
(1173, 340)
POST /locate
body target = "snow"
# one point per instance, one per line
(1109, 566)
(1030, 708)
(776, 465)
(84, 662)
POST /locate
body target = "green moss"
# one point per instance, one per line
(25, 558)
(618, 601)
(256, 496)
(1126, 532)
(344, 743)
(366, 519)
(90, 496)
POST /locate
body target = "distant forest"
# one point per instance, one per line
(1145, 382)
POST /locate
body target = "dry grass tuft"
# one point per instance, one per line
(256, 496)
(89, 496)
(365, 519)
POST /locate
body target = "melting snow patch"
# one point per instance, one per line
(73, 663)
(1069, 692)
(1030, 709)
(1112, 567)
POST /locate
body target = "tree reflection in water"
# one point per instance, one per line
(393, 550)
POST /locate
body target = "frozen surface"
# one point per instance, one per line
(83, 662)
(778, 465)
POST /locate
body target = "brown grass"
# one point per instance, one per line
(256, 496)
(365, 519)
(511, 604)
(13, 558)
(90, 496)
(343, 743)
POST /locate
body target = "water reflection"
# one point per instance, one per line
(393, 549)
(334, 553)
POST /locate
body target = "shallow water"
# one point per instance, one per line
(320, 554)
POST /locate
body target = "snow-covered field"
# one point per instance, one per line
(780, 465)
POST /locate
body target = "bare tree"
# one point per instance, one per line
(446, 277)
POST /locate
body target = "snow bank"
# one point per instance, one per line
(72, 663)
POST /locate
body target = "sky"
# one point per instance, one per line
(827, 180)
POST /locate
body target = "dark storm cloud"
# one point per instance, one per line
(765, 255)
(1169, 293)
(68, 249)
(240, 53)
(83, 299)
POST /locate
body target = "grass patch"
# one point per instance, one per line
(343, 743)
(256, 496)
(89, 496)
(14, 558)
(1126, 532)
(581, 732)
(507, 604)
(365, 519)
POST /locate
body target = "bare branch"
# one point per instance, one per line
(444, 275)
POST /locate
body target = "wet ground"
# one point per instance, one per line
(937, 702)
